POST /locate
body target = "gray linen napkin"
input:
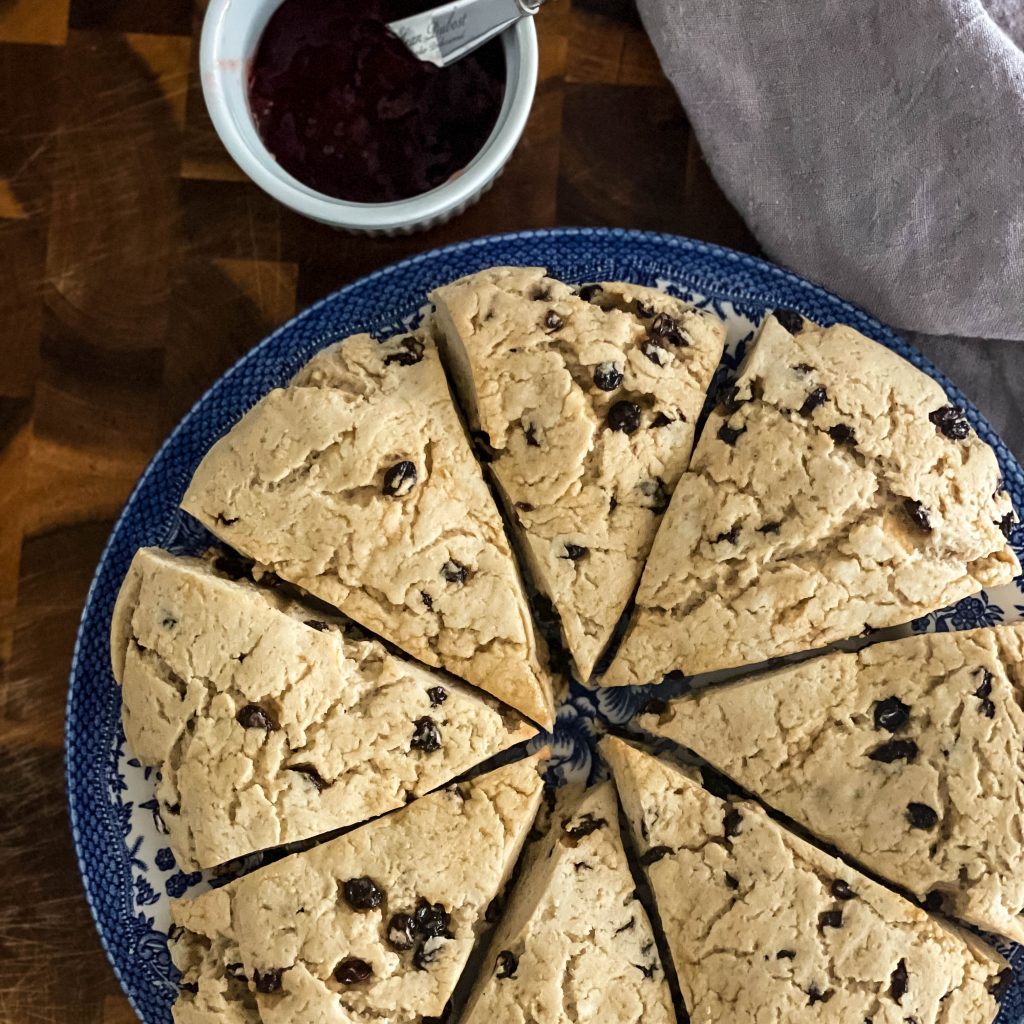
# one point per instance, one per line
(875, 146)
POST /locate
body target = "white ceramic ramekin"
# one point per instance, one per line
(231, 32)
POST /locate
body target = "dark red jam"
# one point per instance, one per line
(344, 107)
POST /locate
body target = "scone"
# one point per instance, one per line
(764, 927)
(575, 944)
(587, 401)
(373, 926)
(267, 723)
(358, 484)
(833, 489)
(908, 757)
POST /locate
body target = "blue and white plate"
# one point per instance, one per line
(128, 870)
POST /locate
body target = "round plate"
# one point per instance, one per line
(127, 868)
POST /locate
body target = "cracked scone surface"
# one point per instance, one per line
(766, 929)
(575, 943)
(375, 925)
(358, 484)
(833, 489)
(268, 723)
(847, 743)
(589, 407)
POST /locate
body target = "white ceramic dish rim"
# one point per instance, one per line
(231, 32)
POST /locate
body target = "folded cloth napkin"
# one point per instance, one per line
(875, 146)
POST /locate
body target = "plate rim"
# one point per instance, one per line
(893, 340)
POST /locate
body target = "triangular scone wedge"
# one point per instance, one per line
(908, 757)
(375, 925)
(755, 918)
(269, 724)
(589, 406)
(575, 944)
(357, 483)
(833, 489)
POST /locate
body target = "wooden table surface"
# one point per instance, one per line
(138, 264)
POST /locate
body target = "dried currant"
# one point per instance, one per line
(918, 514)
(841, 891)
(654, 351)
(895, 750)
(667, 327)
(731, 822)
(552, 321)
(607, 376)
(425, 735)
(401, 933)
(253, 716)
(730, 536)
(454, 572)
(235, 972)
(268, 981)
(830, 919)
(574, 552)
(310, 772)
(430, 920)
(352, 971)
(362, 893)
(898, 982)
(587, 824)
(790, 319)
(411, 353)
(815, 995)
(951, 421)
(438, 695)
(400, 479)
(657, 493)
(588, 291)
(730, 435)
(921, 816)
(654, 854)
(726, 400)
(1006, 524)
(644, 311)
(842, 433)
(983, 693)
(507, 964)
(624, 416)
(891, 714)
(819, 396)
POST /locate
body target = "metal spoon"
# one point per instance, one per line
(447, 33)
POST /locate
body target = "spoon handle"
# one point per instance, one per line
(447, 33)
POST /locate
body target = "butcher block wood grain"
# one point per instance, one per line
(138, 264)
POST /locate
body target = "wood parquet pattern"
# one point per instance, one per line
(138, 264)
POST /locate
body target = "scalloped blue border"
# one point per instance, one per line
(377, 302)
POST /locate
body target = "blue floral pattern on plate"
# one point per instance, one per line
(127, 869)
